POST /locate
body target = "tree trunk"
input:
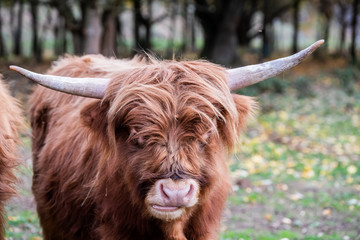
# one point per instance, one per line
(246, 24)
(193, 31)
(185, 30)
(226, 41)
(148, 22)
(343, 24)
(12, 21)
(142, 41)
(296, 26)
(60, 37)
(137, 24)
(171, 41)
(92, 31)
(220, 29)
(266, 49)
(78, 41)
(353, 35)
(18, 31)
(108, 41)
(326, 9)
(65, 41)
(36, 51)
(210, 22)
(2, 44)
(327, 31)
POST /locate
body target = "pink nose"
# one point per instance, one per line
(177, 194)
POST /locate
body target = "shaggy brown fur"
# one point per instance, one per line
(10, 122)
(95, 160)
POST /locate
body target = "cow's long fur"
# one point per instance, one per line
(10, 123)
(94, 160)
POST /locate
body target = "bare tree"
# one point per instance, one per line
(343, 6)
(61, 42)
(36, 49)
(326, 9)
(296, 25)
(250, 7)
(92, 26)
(266, 31)
(110, 25)
(144, 22)
(271, 10)
(18, 29)
(220, 23)
(353, 35)
(2, 43)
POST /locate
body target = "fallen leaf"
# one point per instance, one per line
(287, 221)
(351, 169)
(296, 196)
(326, 212)
(268, 217)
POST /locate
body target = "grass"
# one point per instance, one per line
(24, 224)
(296, 174)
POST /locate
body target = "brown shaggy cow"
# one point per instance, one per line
(10, 122)
(147, 159)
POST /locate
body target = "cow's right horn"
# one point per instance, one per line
(86, 87)
(245, 76)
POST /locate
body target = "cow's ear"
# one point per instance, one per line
(94, 115)
(246, 107)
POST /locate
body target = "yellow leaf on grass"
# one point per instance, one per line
(355, 120)
(326, 212)
(296, 196)
(257, 159)
(287, 221)
(308, 172)
(351, 169)
(36, 238)
(268, 217)
(349, 180)
(12, 218)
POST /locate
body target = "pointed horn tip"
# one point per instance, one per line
(319, 42)
(18, 69)
(13, 67)
(22, 71)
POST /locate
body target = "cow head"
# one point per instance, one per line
(174, 123)
(170, 125)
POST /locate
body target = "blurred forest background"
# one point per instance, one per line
(296, 176)
(213, 29)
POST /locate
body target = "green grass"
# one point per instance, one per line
(285, 234)
(23, 224)
(302, 158)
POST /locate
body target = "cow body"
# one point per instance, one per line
(10, 122)
(145, 159)
(148, 161)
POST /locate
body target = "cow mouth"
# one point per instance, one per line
(165, 208)
(166, 213)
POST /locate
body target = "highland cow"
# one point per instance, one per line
(138, 149)
(10, 123)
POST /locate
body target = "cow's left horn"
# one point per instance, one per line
(245, 76)
(86, 87)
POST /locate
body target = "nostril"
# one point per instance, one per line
(190, 192)
(163, 192)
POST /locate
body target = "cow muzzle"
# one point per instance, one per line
(168, 199)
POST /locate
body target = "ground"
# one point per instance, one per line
(296, 174)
